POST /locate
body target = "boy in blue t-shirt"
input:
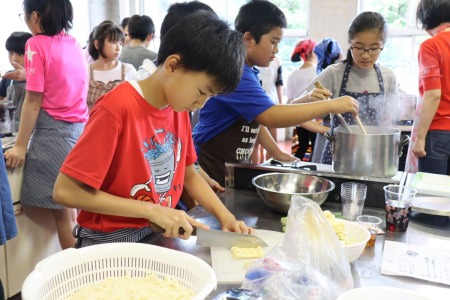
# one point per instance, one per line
(229, 124)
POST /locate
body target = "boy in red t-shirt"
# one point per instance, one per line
(136, 153)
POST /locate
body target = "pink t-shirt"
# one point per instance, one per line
(55, 66)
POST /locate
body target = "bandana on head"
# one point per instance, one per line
(302, 49)
(326, 50)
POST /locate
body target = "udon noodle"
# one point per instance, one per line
(136, 288)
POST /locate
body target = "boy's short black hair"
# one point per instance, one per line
(432, 13)
(139, 27)
(259, 17)
(124, 22)
(16, 42)
(56, 15)
(177, 11)
(206, 44)
(105, 30)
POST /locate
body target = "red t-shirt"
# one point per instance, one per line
(434, 74)
(132, 150)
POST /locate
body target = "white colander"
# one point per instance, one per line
(60, 275)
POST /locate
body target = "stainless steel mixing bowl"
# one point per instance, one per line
(276, 189)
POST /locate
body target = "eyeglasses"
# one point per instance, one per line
(361, 51)
(22, 17)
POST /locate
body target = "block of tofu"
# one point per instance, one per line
(239, 252)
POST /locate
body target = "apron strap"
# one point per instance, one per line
(122, 74)
(87, 237)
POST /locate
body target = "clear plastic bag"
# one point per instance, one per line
(308, 264)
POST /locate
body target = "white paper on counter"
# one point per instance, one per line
(427, 263)
(431, 184)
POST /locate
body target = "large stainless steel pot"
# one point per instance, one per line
(373, 154)
(7, 120)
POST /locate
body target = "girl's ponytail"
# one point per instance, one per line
(56, 15)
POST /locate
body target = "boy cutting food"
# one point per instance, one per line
(144, 151)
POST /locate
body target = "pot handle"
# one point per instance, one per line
(404, 140)
(329, 136)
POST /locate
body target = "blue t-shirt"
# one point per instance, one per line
(248, 100)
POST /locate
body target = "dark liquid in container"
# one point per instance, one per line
(397, 215)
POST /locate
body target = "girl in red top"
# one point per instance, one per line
(432, 146)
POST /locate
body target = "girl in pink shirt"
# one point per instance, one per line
(54, 111)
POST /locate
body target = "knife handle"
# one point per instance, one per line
(156, 228)
(194, 230)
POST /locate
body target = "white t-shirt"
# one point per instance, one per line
(298, 80)
(116, 73)
(145, 70)
(269, 77)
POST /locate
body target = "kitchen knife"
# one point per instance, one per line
(219, 238)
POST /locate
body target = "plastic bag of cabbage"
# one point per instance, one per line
(308, 264)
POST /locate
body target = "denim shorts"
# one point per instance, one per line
(437, 146)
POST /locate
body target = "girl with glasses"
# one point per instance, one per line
(361, 77)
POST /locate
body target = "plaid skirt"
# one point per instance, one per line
(52, 140)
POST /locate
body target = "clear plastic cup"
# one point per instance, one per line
(353, 196)
(372, 223)
(398, 206)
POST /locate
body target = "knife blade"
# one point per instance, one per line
(219, 238)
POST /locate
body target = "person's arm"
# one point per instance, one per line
(280, 93)
(267, 142)
(212, 183)
(18, 74)
(285, 115)
(431, 100)
(199, 189)
(15, 157)
(314, 95)
(315, 127)
(75, 194)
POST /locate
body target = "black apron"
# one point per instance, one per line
(371, 108)
(234, 145)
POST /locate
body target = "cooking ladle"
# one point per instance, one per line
(319, 85)
(360, 124)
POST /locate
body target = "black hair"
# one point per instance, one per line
(56, 15)
(259, 17)
(206, 43)
(432, 13)
(16, 42)
(105, 30)
(177, 11)
(124, 22)
(366, 21)
(139, 27)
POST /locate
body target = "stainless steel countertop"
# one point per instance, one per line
(246, 205)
